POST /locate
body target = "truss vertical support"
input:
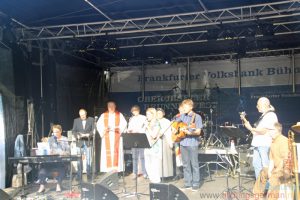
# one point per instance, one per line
(143, 81)
(239, 75)
(41, 89)
(188, 76)
(293, 71)
(50, 46)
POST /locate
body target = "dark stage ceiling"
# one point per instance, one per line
(123, 32)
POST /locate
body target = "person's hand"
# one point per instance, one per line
(64, 153)
(85, 135)
(187, 132)
(248, 125)
(269, 174)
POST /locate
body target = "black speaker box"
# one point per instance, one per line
(109, 180)
(4, 195)
(97, 191)
(161, 191)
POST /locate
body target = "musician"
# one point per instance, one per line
(189, 145)
(110, 126)
(278, 172)
(261, 131)
(82, 130)
(167, 154)
(58, 146)
(136, 125)
(153, 155)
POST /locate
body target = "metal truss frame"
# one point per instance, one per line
(226, 56)
(282, 28)
(162, 25)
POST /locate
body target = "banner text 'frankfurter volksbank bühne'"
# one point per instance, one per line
(213, 87)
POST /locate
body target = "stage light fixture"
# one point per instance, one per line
(167, 58)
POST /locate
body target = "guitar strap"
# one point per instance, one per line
(261, 117)
(193, 119)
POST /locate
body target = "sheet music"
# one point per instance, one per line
(43, 148)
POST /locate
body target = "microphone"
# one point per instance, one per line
(145, 123)
(55, 139)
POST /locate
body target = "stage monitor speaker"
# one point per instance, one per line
(97, 191)
(159, 191)
(246, 167)
(162, 191)
(110, 180)
(4, 195)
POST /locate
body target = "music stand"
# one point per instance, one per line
(235, 132)
(135, 140)
(232, 132)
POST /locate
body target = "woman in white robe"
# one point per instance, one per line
(153, 155)
(167, 152)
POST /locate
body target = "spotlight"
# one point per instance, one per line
(106, 73)
(167, 58)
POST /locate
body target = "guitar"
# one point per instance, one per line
(178, 131)
(243, 117)
(244, 120)
(179, 128)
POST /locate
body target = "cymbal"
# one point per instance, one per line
(296, 127)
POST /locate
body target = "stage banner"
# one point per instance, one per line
(255, 72)
(214, 86)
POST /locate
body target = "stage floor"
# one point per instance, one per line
(209, 189)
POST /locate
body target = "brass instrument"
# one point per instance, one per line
(293, 162)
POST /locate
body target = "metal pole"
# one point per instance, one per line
(293, 71)
(42, 92)
(188, 76)
(239, 75)
(143, 81)
(98, 10)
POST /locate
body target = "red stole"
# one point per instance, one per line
(107, 141)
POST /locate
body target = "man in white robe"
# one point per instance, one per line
(110, 126)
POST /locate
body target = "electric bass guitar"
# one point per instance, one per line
(244, 120)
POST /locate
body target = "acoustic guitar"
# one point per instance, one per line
(178, 131)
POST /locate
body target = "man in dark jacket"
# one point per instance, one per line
(83, 131)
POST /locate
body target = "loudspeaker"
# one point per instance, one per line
(246, 167)
(109, 180)
(97, 191)
(4, 195)
(162, 191)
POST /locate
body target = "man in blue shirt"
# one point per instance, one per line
(189, 145)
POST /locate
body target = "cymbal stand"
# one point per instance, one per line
(213, 140)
